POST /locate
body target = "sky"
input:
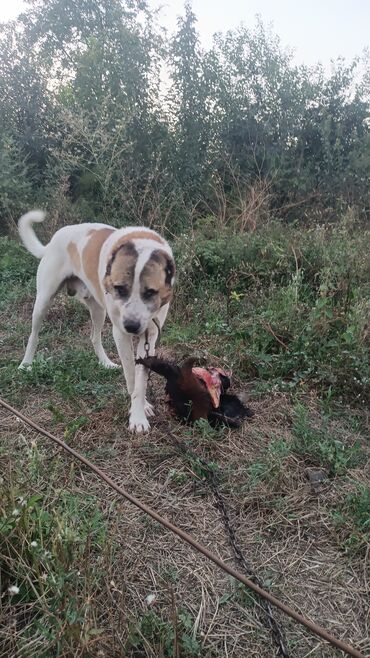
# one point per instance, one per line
(316, 30)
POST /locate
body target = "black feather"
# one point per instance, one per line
(168, 370)
(231, 412)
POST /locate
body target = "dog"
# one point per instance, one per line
(128, 273)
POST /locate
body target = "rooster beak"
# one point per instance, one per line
(214, 393)
(213, 384)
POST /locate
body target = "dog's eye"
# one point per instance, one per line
(122, 291)
(149, 293)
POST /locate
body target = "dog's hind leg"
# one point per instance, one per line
(97, 314)
(49, 280)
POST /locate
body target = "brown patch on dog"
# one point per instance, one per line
(136, 235)
(157, 274)
(74, 256)
(121, 268)
(91, 254)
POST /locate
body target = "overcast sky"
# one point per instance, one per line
(317, 30)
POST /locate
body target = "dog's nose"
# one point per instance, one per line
(132, 326)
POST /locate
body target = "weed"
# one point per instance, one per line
(320, 447)
(200, 467)
(359, 508)
(353, 519)
(73, 426)
(241, 594)
(270, 467)
(159, 633)
(171, 575)
(177, 477)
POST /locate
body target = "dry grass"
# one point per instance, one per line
(283, 525)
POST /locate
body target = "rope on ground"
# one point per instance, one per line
(314, 628)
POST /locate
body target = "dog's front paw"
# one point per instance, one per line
(109, 364)
(25, 366)
(139, 423)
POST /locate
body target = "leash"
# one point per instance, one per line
(314, 628)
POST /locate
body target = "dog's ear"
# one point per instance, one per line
(170, 271)
(107, 282)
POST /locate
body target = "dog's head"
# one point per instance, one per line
(139, 280)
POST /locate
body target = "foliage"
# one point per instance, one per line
(233, 129)
(15, 183)
(288, 307)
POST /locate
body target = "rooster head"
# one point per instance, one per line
(212, 378)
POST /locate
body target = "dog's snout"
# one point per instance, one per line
(132, 326)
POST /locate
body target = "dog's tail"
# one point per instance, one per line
(28, 235)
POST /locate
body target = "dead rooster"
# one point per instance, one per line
(195, 393)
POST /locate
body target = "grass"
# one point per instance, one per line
(53, 554)
(352, 519)
(162, 634)
(286, 311)
(322, 447)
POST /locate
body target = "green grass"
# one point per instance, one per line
(159, 633)
(352, 520)
(316, 442)
(54, 549)
(269, 468)
(73, 376)
(322, 446)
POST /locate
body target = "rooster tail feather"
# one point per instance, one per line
(160, 366)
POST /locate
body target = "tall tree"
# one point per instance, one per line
(189, 102)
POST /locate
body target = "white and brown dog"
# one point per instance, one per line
(128, 273)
